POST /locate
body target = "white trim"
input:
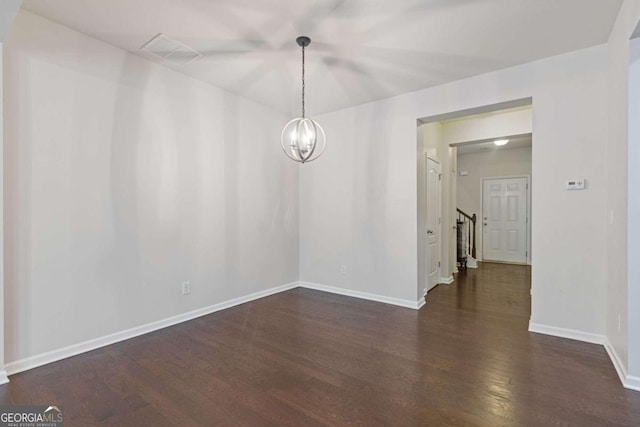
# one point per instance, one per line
(617, 363)
(628, 381)
(445, 280)
(571, 334)
(416, 305)
(471, 262)
(75, 349)
(632, 383)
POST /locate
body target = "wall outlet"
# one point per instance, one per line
(186, 288)
(343, 269)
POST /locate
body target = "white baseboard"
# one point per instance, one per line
(416, 305)
(615, 359)
(632, 383)
(571, 334)
(75, 349)
(445, 280)
(472, 262)
(628, 381)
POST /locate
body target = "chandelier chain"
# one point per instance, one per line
(303, 112)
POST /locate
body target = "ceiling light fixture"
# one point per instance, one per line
(500, 142)
(303, 139)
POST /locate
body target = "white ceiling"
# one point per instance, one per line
(361, 50)
(520, 141)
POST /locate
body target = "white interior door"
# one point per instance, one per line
(504, 208)
(433, 222)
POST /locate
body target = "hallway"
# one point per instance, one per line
(494, 288)
(522, 377)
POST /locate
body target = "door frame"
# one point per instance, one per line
(434, 158)
(528, 202)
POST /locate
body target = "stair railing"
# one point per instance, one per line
(470, 221)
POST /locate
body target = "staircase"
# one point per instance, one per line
(466, 241)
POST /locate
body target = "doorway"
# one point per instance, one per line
(505, 219)
(468, 146)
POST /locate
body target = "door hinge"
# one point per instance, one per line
(439, 177)
(438, 263)
(439, 220)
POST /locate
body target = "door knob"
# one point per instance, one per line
(429, 231)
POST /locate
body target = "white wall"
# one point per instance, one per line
(514, 121)
(453, 203)
(621, 304)
(359, 205)
(8, 11)
(487, 164)
(122, 180)
(448, 240)
(3, 374)
(634, 211)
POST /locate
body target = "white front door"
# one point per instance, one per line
(433, 222)
(504, 208)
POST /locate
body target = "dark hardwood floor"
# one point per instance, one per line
(310, 358)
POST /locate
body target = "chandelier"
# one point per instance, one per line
(303, 139)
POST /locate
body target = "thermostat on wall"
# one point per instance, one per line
(576, 184)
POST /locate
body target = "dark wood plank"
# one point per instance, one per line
(310, 358)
